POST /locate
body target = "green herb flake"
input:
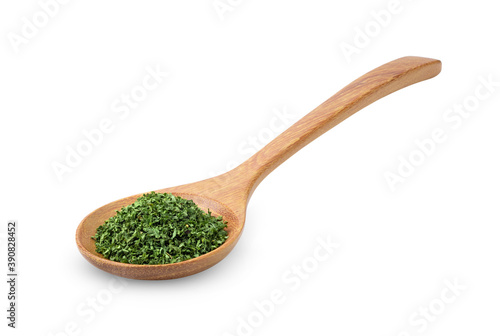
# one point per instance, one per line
(159, 228)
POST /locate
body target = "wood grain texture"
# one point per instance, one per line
(228, 194)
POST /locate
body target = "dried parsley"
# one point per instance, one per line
(159, 228)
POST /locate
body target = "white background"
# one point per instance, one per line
(228, 74)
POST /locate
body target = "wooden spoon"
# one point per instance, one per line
(227, 195)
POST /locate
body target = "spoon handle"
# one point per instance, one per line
(365, 90)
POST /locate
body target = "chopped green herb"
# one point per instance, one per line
(159, 228)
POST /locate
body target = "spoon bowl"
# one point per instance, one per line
(227, 195)
(89, 225)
